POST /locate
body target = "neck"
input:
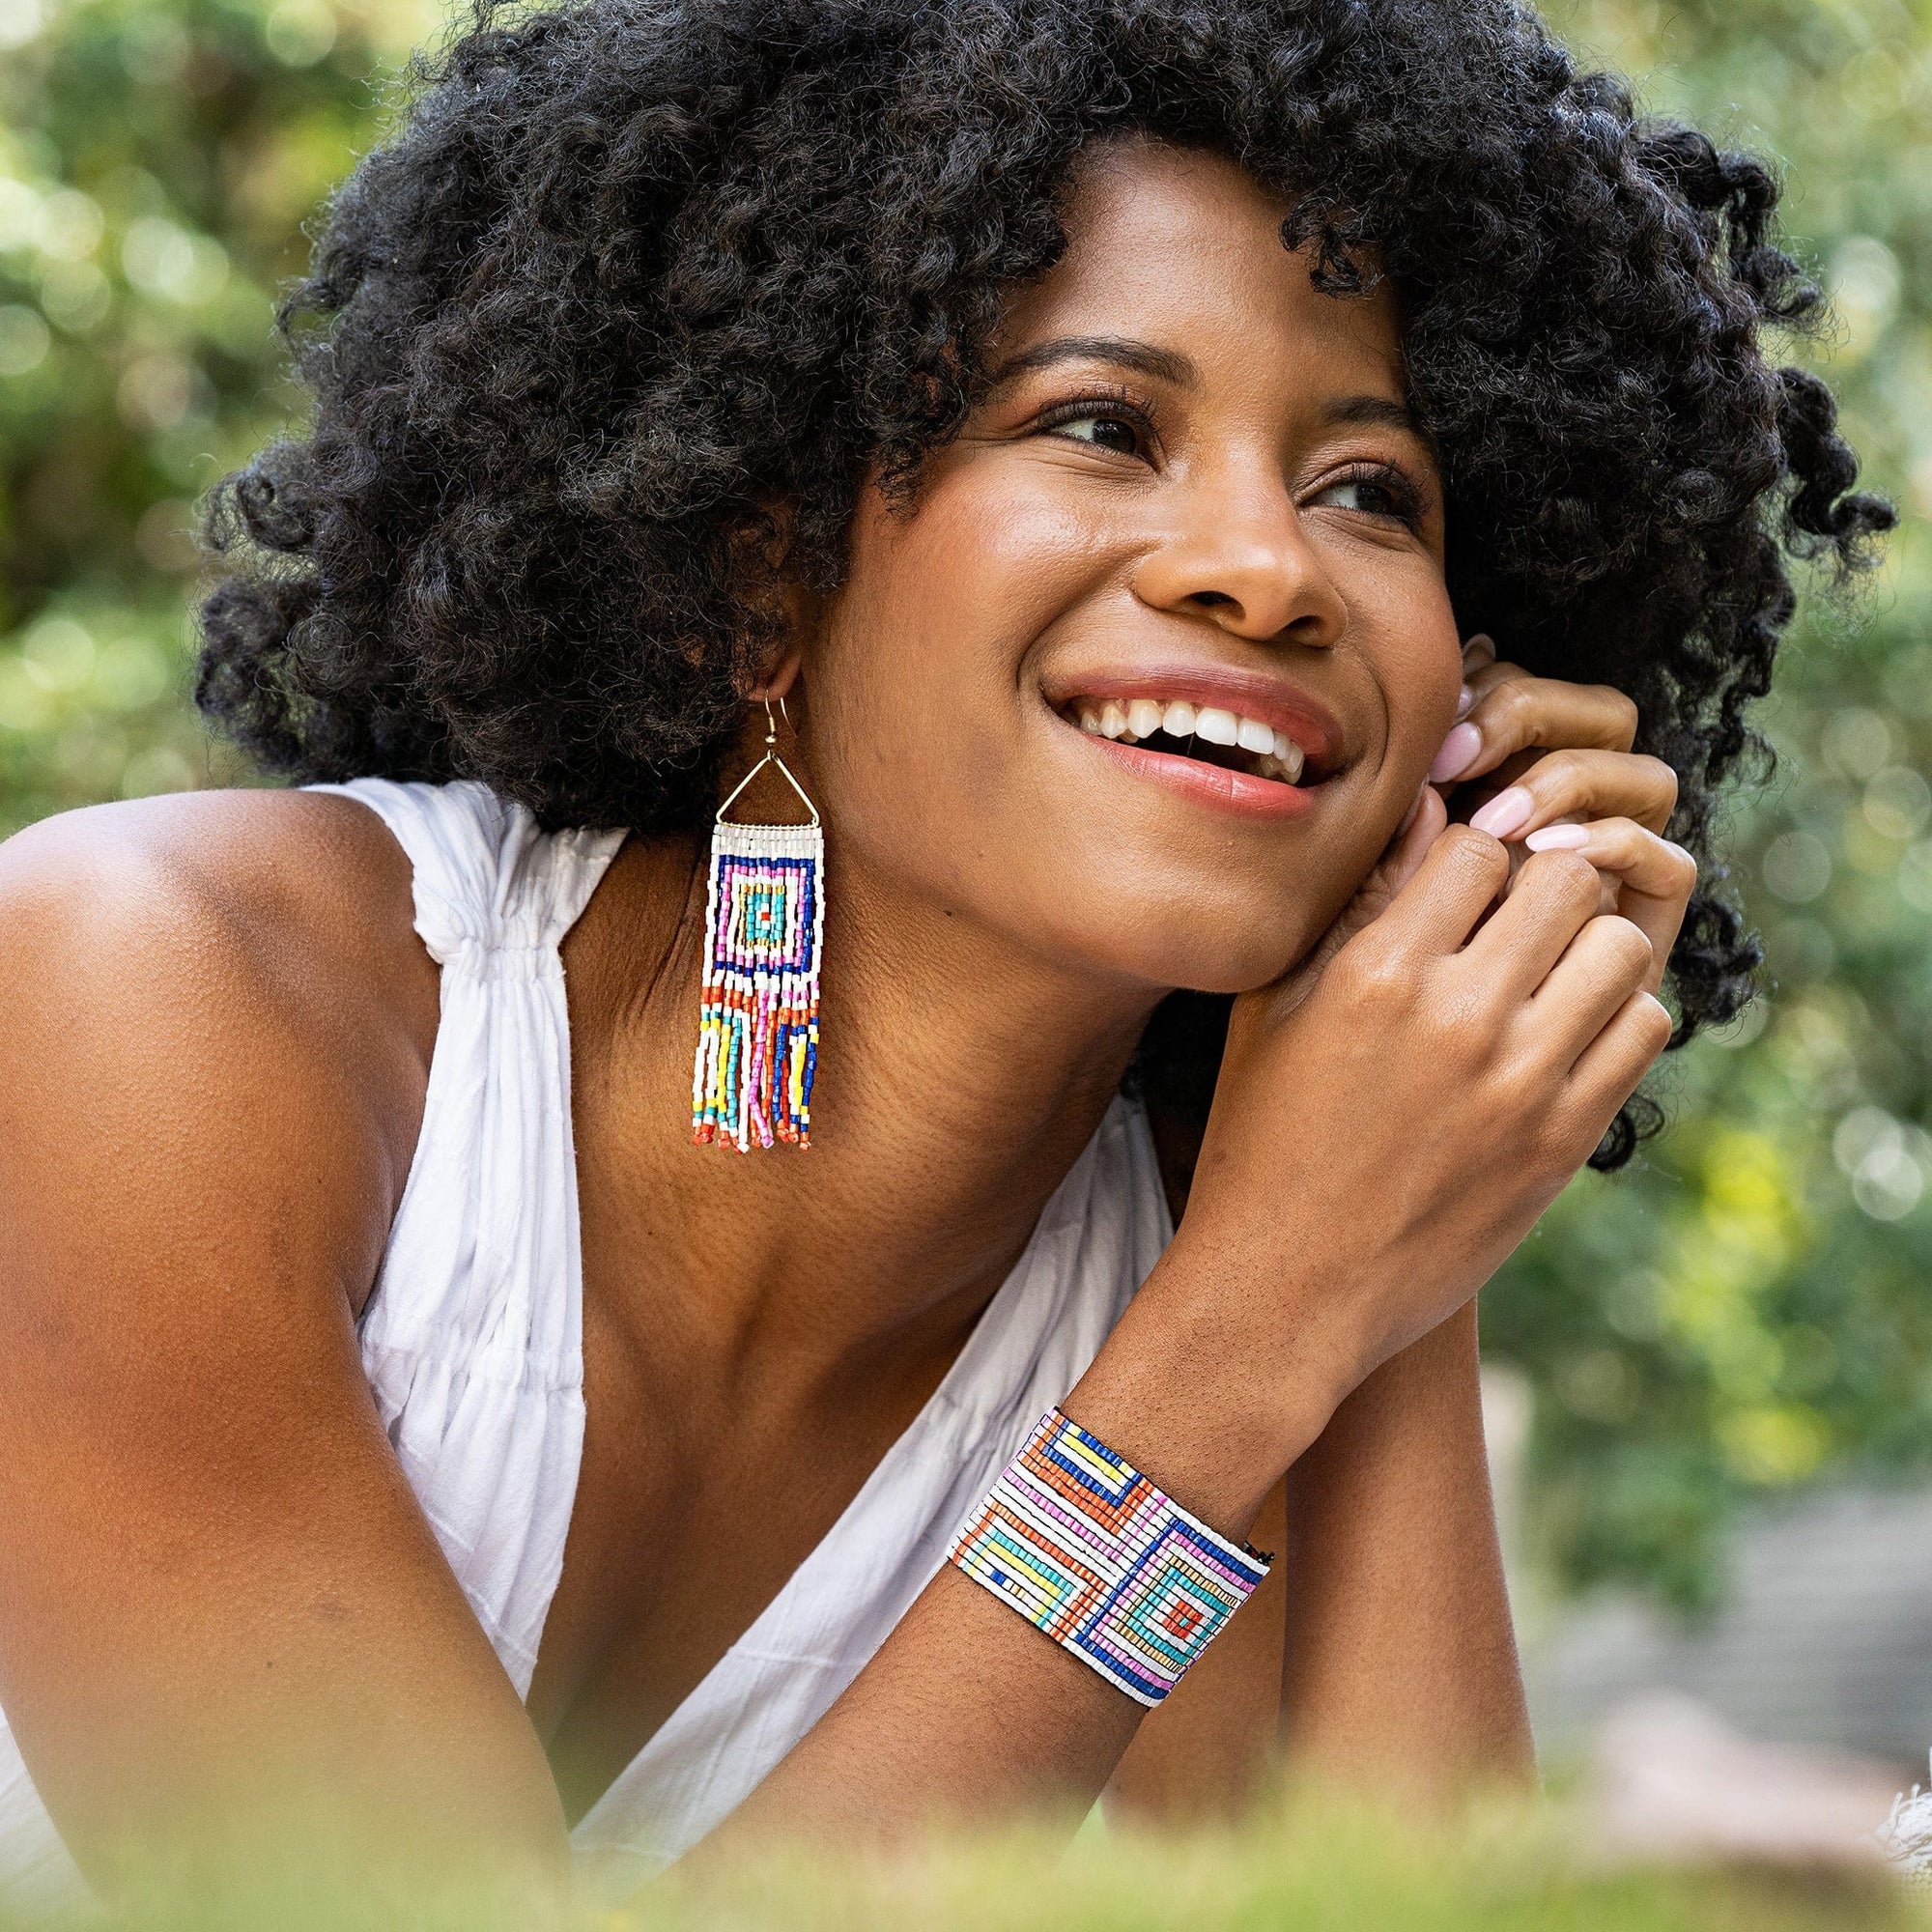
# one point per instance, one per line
(959, 1077)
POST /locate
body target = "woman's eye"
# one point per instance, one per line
(1103, 431)
(1372, 497)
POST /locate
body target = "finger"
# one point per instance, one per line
(1653, 878)
(1603, 965)
(1454, 885)
(1427, 817)
(1552, 896)
(1514, 712)
(1608, 1070)
(1581, 784)
(1397, 864)
(1478, 654)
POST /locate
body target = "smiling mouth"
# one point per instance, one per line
(1205, 733)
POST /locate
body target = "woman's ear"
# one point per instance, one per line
(786, 604)
(778, 682)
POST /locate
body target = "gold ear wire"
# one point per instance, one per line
(771, 758)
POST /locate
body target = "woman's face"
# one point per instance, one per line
(1153, 667)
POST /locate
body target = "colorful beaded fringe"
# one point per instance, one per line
(758, 1037)
(1086, 1548)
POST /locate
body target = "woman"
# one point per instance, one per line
(1092, 446)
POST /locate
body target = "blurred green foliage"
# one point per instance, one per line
(1744, 1313)
(158, 163)
(1749, 1309)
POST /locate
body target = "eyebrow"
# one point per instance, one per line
(1375, 413)
(1165, 365)
(1168, 365)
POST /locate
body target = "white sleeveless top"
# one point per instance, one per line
(472, 1342)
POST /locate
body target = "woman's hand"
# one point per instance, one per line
(1543, 766)
(1392, 1117)
(1547, 766)
(1390, 1138)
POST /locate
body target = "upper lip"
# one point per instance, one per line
(1269, 700)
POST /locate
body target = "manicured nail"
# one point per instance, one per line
(1558, 837)
(1458, 754)
(1504, 813)
(1465, 702)
(1480, 650)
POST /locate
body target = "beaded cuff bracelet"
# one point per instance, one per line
(1085, 1547)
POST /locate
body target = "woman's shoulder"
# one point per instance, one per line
(299, 901)
(197, 957)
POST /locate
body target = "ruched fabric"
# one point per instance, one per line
(472, 1343)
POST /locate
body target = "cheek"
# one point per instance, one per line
(915, 685)
(918, 677)
(1418, 658)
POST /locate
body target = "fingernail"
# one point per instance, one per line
(1459, 752)
(1465, 702)
(1504, 813)
(1556, 838)
(1482, 646)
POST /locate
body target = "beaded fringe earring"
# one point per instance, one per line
(765, 930)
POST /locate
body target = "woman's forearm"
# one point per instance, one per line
(1401, 1664)
(967, 1711)
(1308, 1265)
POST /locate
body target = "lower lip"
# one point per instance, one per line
(1221, 790)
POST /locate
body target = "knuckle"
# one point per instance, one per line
(1568, 875)
(1629, 945)
(1476, 852)
(1511, 709)
(1566, 765)
(1468, 1022)
(1663, 777)
(1656, 1023)
(1465, 1048)
(1624, 713)
(1377, 975)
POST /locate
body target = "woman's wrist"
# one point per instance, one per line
(1186, 1390)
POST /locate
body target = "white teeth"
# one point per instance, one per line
(1130, 719)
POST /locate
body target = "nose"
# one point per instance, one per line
(1240, 558)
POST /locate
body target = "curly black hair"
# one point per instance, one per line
(643, 291)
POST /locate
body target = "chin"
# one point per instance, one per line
(1210, 946)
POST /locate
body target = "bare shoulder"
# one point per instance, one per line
(215, 1028)
(198, 957)
(284, 878)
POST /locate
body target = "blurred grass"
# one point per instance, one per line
(1325, 1870)
(1743, 1315)
(1354, 1875)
